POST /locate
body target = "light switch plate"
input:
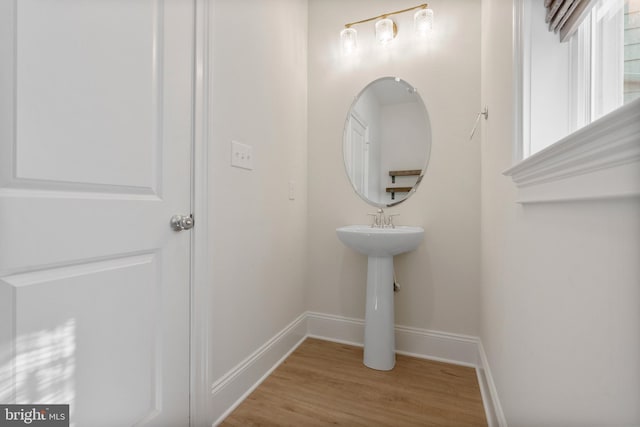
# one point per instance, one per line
(241, 155)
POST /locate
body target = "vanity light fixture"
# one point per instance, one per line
(386, 28)
(349, 40)
(423, 21)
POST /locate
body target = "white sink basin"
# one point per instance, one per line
(380, 242)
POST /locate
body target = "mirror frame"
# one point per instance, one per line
(428, 142)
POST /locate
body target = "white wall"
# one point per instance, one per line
(440, 289)
(560, 282)
(258, 236)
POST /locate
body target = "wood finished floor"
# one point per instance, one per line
(324, 383)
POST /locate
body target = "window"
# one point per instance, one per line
(577, 104)
(605, 61)
(631, 50)
(569, 85)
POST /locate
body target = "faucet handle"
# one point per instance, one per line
(375, 219)
(390, 220)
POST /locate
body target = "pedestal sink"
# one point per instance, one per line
(380, 245)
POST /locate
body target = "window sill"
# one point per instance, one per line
(598, 161)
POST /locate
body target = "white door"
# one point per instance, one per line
(95, 140)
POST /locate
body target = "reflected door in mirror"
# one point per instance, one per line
(358, 154)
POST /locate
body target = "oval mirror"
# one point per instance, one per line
(386, 142)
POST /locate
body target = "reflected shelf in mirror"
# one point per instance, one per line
(412, 172)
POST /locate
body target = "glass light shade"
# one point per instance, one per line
(348, 40)
(385, 31)
(423, 21)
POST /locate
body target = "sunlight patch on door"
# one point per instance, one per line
(42, 367)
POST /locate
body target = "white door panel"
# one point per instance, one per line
(89, 75)
(81, 351)
(95, 146)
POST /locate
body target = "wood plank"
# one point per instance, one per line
(398, 189)
(325, 383)
(405, 172)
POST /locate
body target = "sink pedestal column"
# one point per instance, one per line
(379, 338)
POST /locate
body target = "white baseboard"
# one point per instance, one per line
(422, 343)
(232, 388)
(340, 329)
(446, 347)
(492, 407)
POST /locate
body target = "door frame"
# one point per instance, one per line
(199, 400)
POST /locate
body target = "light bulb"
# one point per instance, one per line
(385, 30)
(349, 40)
(423, 21)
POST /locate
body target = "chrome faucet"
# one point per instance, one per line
(380, 220)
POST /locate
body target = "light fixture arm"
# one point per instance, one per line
(385, 15)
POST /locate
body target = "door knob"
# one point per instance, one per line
(181, 222)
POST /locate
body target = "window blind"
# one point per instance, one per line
(564, 16)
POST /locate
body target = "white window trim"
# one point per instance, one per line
(521, 81)
(600, 160)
